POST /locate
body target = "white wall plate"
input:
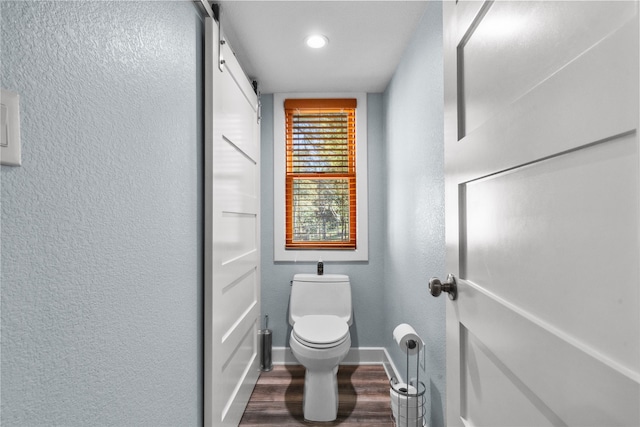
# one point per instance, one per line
(10, 128)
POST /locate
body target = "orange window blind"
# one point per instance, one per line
(321, 173)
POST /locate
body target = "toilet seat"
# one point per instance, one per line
(321, 331)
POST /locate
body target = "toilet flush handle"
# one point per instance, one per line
(437, 287)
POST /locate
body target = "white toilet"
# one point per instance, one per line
(320, 313)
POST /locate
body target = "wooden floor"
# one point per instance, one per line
(277, 398)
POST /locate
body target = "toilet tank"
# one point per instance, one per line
(326, 294)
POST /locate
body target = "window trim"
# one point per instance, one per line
(279, 179)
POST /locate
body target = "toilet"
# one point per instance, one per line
(320, 313)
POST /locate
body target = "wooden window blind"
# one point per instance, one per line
(321, 174)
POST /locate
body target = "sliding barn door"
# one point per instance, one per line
(232, 201)
(543, 213)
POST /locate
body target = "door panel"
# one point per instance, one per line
(232, 279)
(495, 54)
(517, 371)
(556, 213)
(543, 211)
(590, 99)
(486, 397)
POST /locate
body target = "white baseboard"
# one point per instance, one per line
(356, 356)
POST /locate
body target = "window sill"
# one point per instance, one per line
(314, 255)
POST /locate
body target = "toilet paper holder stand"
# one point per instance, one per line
(408, 400)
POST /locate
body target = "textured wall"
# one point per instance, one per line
(366, 277)
(102, 226)
(414, 244)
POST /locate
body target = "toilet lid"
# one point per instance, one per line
(321, 330)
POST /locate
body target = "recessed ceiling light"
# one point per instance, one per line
(316, 41)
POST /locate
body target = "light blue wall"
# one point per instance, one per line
(366, 277)
(414, 234)
(102, 225)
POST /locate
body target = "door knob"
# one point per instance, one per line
(437, 287)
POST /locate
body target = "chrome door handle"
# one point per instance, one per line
(437, 287)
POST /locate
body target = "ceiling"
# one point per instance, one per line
(366, 41)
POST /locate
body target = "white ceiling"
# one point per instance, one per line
(366, 42)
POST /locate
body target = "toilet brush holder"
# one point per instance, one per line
(266, 364)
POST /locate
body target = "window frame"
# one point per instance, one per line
(300, 114)
(281, 253)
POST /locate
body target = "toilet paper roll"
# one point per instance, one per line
(407, 409)
(400, 400)
(407, 339)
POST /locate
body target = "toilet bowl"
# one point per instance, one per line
(320, 353)
(320, 313)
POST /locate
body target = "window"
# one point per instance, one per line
(320, 177)
(321, 173)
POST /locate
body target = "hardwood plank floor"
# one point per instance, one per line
(277, 398)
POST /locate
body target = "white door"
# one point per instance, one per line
(232, 201)
(543, 211)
